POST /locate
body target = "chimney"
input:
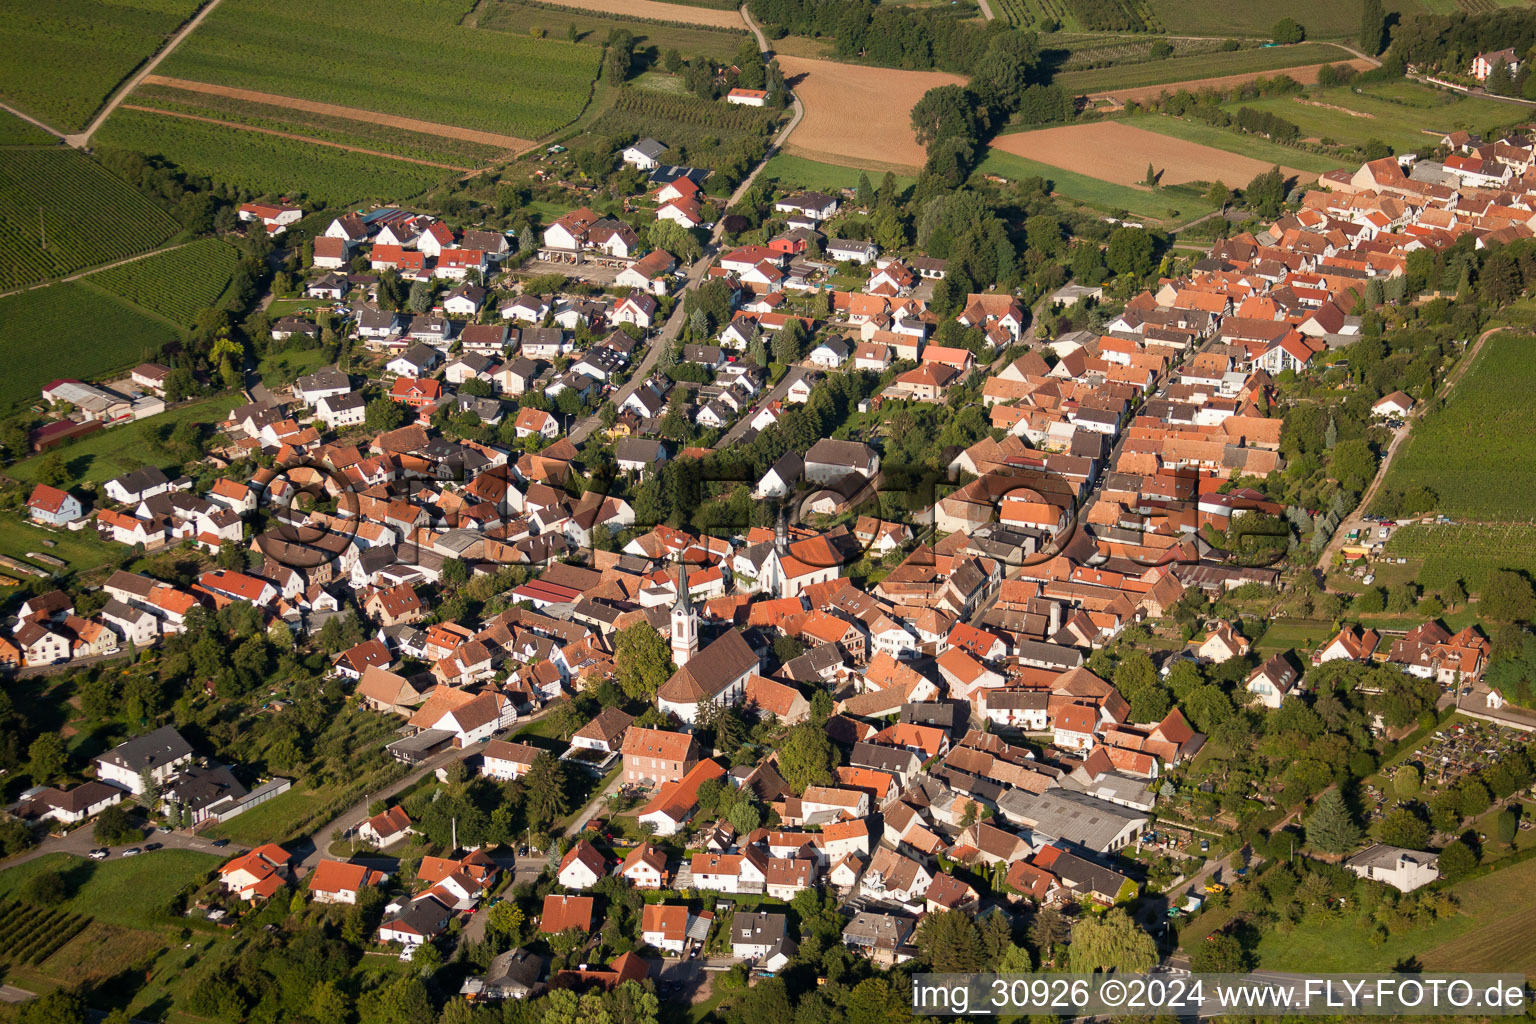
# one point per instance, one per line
(1055, 619)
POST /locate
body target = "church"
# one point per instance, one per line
(717, 675)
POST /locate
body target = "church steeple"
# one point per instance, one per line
(685, 621)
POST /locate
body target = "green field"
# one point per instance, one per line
(1175, 203)
(408, 57)
(16, 132)
(1492, 931)
(129, 892)
(268, 165)
(343, 131)
(799, 172)
(1446, 553)
(1408, 117)
(117, 450)
(1233, 142)
(1205, 65)
(1294, 634)
(1322, 19)
(83, 549)
(66, 56)
(593, 28)
(87, 215)
(1473, 452)
(177, 284)
(69, 330)
(274, 821)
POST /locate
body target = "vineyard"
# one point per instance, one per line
(16, 132)
(1115, 15)
(78, 51)
(341, 130)
(33, 933)
(1198, 66)
(177, 284)
(1474, 453)
(266, 164)
(410, 58)
(1464, 552)
(700, 132)
(1094, 51)
(69, 330)
(88, 215)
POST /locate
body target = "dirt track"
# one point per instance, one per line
(446, 131)
(291, 135)
(1114, 151)
(657, 11)
(1306, 75)
(858, 115)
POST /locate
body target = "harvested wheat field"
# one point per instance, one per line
(1112, 151)
(857, 115)
(1305, 74)
(657, 11)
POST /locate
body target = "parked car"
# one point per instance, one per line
(151, 846)
(219, 844)
(132, 851)
(100, 854)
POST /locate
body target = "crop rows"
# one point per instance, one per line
(1476, 6)
(177, 284)
(33, 934)
(691, 112)
(411, 58)
(1115, 16)
(1474, 452)
(16, 132)
(64, 57)
(87, 215)
(1465, 552)
(69, 330)
(267, 164)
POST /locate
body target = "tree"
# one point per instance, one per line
(945, 112)
(1500, 81)
(950, 942)
(864, 195)
(46, 758)
(1373, 28)
(545, 785)
(421, 297)
(807, 756)
(1265, 194)
(1287, 30)
(1150, 179)
(1401, 827)
(642, 660)
(1112, 941)
(1406, 781)
(1219, 954)
(51, 470)
(1507, 597)
(1456, 860)
(1331, 827)
(1218, 194)
(48, 888)
(1131, 252)
(113, 827)
(382, 414)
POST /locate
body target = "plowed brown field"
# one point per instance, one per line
(1112, 151)
(856, 115)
